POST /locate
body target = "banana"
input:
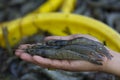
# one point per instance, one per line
(15, 30)
(56, 24)
(49, 6)
(68, 6)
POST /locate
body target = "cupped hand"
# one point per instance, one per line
(76, 65)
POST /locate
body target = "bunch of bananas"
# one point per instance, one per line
(56, 23)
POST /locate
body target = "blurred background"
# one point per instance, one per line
(13, 68)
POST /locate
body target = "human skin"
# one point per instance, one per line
(110, 66)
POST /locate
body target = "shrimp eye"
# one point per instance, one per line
(44, 54)
(50, 42)
(100, 48)
(32, 50)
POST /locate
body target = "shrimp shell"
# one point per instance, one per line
(75, 49)
(64, 55)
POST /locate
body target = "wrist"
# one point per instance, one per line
(112, 66)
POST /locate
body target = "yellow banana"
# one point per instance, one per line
(56, 23)
(68, 6)
(14, 32)
(48, 6)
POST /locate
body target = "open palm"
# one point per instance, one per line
(70, 65)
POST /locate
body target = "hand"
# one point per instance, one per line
(77, 65)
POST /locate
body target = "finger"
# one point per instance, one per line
(27, 57)
(66, 65)
(23, 46)
(58, 38)
(21, 49)
(70, 37)
(18, 52)
(83, 35)
(49, 63)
